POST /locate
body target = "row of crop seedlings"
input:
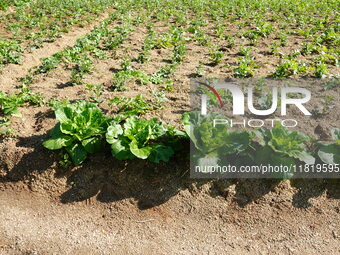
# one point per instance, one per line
(100, 41)
(98, 44)
(39, 21)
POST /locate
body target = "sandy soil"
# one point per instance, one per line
(192, 222)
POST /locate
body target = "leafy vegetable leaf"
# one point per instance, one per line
(93, 144)
(142, 152)
(58, 139)
(330, 153)
(77, 152)
(160, 152)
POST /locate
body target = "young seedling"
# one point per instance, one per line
(244, 68)
(96, 91)
(216, 56)
(320, 69)
(325, 108)
(289, 68)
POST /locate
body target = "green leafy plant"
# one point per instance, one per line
(210, 140)
(324, 108)
(120, 78)
(274, 48)
(230, 41)
(179, 52)
(285, 144)
(139, 138)
(80, 130)
(218, 143)
(96, 92)
(283, 39)
(332, 84)
(165, 72)
(199, 70)
(244, 69)
(159, 98)
(9, 106)
(49, 63)
(131, 106)
(320, 69)
(10, 52)
(289, 68)
(265, 101)
(330, 153)
(244, 51)
(216, 56)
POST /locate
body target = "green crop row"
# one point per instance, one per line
(29, 25)
(5, 4)
(83, 129)
(205, 23)
(276, 146)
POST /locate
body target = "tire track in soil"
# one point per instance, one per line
(10, 74)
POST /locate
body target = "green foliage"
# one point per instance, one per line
(96, 91)
(216, 56)
(165, 72)
(9, 106)
(320, 69)
(10, 52)
(4, 4)
(199, 70)
(274, 49)
(120, 79)
(244, 51)
(206, 23)
(289, 68)
(332, 84)
(210, 140)
(131, 106)
(244, 68)
(330, 153)
(324, 108)
(179, 53)
(35, 22)
(139, 138)
(217, 141)
(49, 63)
(80, 130)
(83, 65)
(291, 144)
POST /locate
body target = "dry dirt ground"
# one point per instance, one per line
(210, 219)
(116, 207)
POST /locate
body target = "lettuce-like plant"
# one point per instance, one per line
(284, 143)
(81, 130)
(330, 153)
(139, 138)
(210, 139)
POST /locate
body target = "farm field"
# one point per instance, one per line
(94, 154)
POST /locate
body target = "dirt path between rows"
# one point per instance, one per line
(10, 74)
(33, 223)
